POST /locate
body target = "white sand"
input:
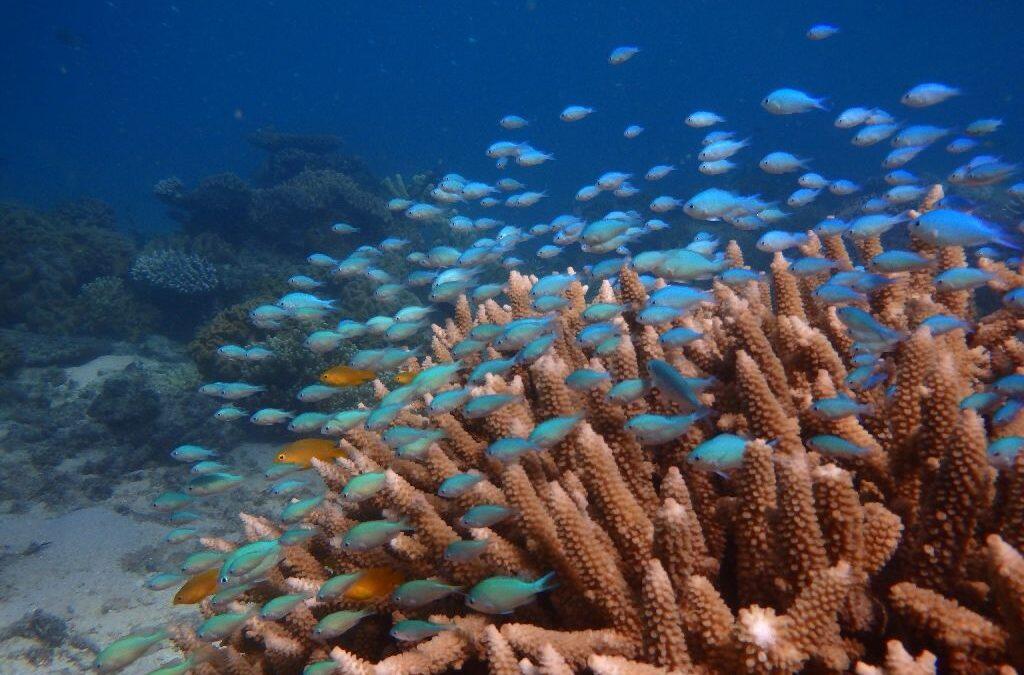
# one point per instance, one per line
(79, 578)
(98, 369)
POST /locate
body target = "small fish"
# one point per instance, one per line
(928, 94)
(362, 487)
(275, 471)
(658, 429)
(337, 586)
(835, 294)
(585, 379)
(838, 407)
(509, 450)
(778, 240)
(221, 626)
(553, 431)
(180, 534)
(314, 393)
(620, 55)
(574, 113)
(810, 266)
(370, 534)
(304, 451)
(658, 172)
(413, 630)
(127, 650)
(338, 623)
(821, 31)
(346, 376)
(983, 401)
(229, 413)
(171, 501)
(163, 581)
(299, 509)
(269, 416)
(852, 117)
(703, 118)
(296, 536)
(627, 391)
(192, 453)
(781, 162)
(828, 444)
(459, 484)
(485, 515)
(948, 227)
(281, 606)
(1009, 385)
(1002, 452)
(484, 405)
(464, 550)
(502, 595)
(1007, 412)
(791, 101)
(672, 385)
(962, 279)
(896, 260)
(721, 453)
(420, 592)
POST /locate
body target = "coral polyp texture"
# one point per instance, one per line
(175, 271)
(766, 535)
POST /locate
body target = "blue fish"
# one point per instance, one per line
(671, 384)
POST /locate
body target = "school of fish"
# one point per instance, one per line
(678, 279)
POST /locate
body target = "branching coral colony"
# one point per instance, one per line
(802, 555)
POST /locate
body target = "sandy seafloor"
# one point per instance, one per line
(88, 578)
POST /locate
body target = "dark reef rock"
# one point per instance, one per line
(40, 350)
(276, 141)
(126, 404)
(46, 258)
(302, 185)
(48, 629)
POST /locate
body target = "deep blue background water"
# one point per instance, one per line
(103, 98)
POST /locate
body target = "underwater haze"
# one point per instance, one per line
(511, 337)
(106, 98)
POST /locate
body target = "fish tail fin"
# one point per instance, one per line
(821, 103)
(701, 413)
(1004, 238)
(546, 582)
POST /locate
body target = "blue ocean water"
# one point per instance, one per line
(104, 98)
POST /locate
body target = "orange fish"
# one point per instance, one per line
(198, 587)
(303, 451)
(374, 583)
(405, 377)
(346, 376)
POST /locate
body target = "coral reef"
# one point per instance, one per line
(789, 557)
(45, 258)
(107, 308)
(81, 414)
(303, 184)
(175, 271)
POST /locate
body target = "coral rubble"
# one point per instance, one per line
(905, 553)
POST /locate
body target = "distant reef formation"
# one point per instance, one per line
(303, 183)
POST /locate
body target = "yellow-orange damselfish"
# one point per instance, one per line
(197, 588)
(346, 376)
(376, 582)
(303, 451)
(405, 377)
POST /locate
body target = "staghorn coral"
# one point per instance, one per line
(792, 561)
